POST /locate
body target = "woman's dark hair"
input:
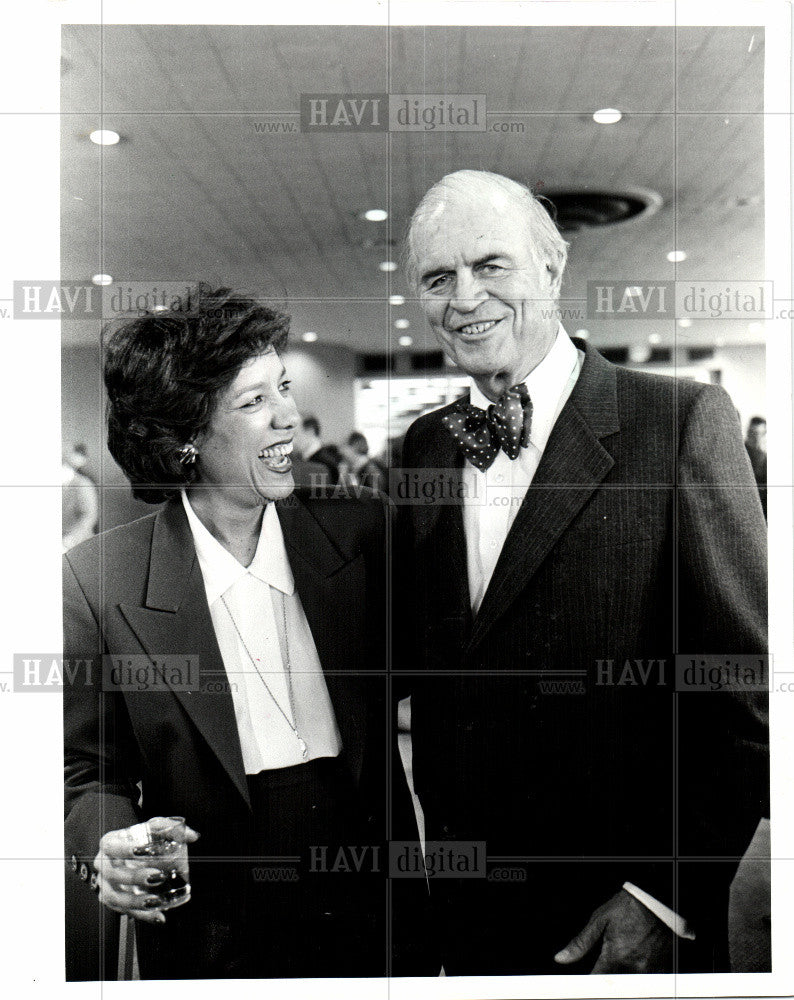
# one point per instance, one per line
(164, 372)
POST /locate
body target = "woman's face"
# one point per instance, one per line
(245, 451)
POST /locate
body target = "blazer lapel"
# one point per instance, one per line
(332, 604)
(176, 621)
(572, 466)
(314, 559)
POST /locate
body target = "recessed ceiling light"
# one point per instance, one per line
(387, 265)
(607, 116)
(376, 215)
(396, 300)
(104, 137)
(402, 324)
(639, 354)
(582, 334)
(309, 337)
(405, 341)
(654, 338)
(676, 256)
(685, 322)
(102, 279)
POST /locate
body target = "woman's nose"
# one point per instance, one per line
(286, 415)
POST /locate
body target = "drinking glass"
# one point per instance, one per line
(160, 843)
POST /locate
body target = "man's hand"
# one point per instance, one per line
(632, 939)
(125, 882)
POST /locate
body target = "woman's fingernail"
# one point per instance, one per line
(151, 903)
(157, 879)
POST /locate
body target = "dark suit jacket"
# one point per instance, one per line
(641, 537)
(138, 590)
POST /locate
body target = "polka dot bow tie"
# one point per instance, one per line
(481, 433)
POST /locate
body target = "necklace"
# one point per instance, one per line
(301, 743)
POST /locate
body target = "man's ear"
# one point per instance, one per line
(555, 277)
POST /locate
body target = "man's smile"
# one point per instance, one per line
(470, 330)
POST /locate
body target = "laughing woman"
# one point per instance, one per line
(253, 620)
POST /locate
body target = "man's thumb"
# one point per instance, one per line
(579, 946)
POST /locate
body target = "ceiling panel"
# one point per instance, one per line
(195, 191)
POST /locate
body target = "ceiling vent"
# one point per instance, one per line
(574, 211)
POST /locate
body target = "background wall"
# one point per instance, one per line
(322, 383)
(744, 377)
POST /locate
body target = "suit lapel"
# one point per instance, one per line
(440, 524)
(176, 620)
(572, 466)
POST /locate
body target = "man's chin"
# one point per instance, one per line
(478, 360)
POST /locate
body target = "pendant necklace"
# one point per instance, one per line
(301, 742)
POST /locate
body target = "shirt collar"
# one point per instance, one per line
(221, 570)
(545, 384)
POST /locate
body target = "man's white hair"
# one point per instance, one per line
(543, 235)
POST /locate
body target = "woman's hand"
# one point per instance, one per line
(127, 882)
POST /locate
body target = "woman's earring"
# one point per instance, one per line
(188, 453)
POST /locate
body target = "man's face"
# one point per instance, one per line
(757, 435)
(488, 296)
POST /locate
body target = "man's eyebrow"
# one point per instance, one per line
(435, 272)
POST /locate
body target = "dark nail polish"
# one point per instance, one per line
(155, 879)
(151, 903)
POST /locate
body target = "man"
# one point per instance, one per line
(80, 503)
(608, 521)
(311, 449)
(363, 470)
(755, 443)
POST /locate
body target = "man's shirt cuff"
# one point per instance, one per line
(664, 913)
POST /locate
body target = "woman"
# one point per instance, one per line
(230, 667)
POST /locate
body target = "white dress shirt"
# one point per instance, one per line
(260, 604)
(492, 499)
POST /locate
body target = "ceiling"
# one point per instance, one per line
(194, 191)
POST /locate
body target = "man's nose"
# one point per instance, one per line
(468, 292)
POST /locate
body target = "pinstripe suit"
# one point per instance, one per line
(641, 537)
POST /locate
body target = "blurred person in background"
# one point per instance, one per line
(276, 748)
(361, 470)
(80, 499)
(310, 448)
(755, 443)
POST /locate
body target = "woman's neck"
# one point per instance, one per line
(235, 525)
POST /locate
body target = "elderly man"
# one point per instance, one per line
(608, 521)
